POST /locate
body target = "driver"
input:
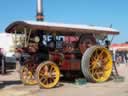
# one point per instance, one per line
(38, 50)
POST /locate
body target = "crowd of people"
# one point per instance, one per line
(121, 57)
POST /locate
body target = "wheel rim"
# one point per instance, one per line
(48, 75)
(27, 76)
(100, 64)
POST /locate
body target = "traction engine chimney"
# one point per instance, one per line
(39, 15)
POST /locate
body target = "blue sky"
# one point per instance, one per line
(91, 12)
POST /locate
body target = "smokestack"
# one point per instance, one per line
(39, 15)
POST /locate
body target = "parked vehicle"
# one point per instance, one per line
(7, 57)
(2, 63)
(87, 53)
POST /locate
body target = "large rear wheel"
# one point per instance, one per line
(48, 74)
(96, 64)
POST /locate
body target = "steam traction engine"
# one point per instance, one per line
(46, 50)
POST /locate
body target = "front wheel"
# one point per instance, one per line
(96, 64)
(48, 74)
(27, 73)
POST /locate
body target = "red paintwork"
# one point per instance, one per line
(56, 57)
(65, 65)
(66, 61)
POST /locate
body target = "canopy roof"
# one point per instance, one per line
(61, 28)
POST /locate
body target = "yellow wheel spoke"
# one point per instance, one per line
(96, 53)
(106, 60)
(97, 75)
(93, 64)
(44, 79)
(53, 76)
(51, 80)
(94, 58)
(41, 74)
(52, 69)
(101, 53)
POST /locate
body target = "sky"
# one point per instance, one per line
(90, 12)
